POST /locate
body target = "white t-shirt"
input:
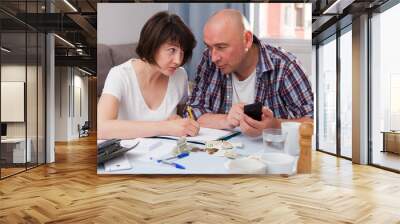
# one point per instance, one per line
(122, 83)
(244, 91)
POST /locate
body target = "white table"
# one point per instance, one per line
(195, 163)
(18, 149)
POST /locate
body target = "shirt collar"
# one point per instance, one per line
(264, 61)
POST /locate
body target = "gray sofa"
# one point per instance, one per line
(109, 56)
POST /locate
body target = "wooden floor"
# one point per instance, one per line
(10, 171)
(386, 159)
(70, 191)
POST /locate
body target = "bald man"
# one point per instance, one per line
(238, 69)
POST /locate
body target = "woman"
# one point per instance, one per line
(140, 97)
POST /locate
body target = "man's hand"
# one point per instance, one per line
(269, 119)
(254, 128)
(235, 115)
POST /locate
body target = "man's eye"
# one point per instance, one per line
(172, 50)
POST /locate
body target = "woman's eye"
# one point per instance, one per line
(172, 50)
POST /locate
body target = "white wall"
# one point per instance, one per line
(17, 73)
(33, 126)
(12, 101)
(61, 103)
(80, 83)
(117, 23)
(14, 73)
(67, 116)
(300, 48)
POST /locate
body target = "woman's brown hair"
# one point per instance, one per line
(164, 28)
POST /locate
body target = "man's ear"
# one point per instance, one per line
(248, 39)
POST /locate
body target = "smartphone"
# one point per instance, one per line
(254, 110)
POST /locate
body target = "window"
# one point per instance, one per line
(326, 94)
(287, 15)
(282, 20)
(299, 15)
(22, 65)
(385, 85)
(346, 94)
(394, 102)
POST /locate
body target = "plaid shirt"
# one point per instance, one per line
(281, 85)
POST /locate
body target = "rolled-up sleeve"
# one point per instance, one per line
(297, 92)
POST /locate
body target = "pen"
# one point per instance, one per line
(176, 165)
(189, 110)
(182, 155)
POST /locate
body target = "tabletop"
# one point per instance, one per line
(142, 160)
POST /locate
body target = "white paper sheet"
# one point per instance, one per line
(150, 149)
(118, 163)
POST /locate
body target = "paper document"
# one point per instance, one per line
(207, 134)
(151, 148)
(118, 163)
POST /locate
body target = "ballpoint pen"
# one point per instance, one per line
(176, 165)
(182, 155)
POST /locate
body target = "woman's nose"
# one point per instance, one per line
(178, 58)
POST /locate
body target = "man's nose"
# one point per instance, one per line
(214, 56)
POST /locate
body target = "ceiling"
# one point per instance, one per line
(331, 15)
(77, 25)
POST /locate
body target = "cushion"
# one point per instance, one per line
(122, 52)
(104, 64)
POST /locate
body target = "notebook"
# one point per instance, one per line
(207, 134)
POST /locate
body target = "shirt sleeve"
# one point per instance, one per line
(114, 84)
(185, 89)
(297, 92)
(199, 98)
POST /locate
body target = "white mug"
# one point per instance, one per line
(292, 146)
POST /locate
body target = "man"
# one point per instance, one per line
(238, 69)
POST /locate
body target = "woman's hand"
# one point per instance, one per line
(174, 117)
(182, 127)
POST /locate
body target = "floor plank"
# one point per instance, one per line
(70, 191)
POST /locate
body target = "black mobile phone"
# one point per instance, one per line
(254, 110)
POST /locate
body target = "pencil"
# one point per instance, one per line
(189, 110)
